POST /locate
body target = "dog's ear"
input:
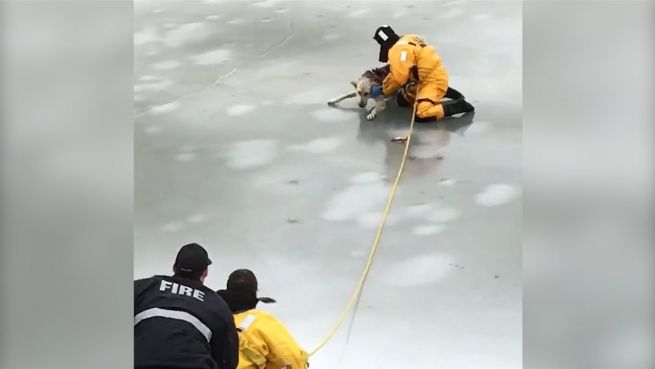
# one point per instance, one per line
(354, 84)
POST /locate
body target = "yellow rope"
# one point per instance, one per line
(376, 242)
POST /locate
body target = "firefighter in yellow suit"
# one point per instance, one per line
(264, 342)
(413, 61)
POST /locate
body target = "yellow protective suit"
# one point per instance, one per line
(411, 59)
(265, 343)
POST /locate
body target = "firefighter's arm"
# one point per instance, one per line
(283, 351)
(401, 61)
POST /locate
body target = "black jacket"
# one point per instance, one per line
(180, 323)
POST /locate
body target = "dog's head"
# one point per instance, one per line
(363, 90)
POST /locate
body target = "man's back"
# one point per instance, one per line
(267, 343)
(180, 323)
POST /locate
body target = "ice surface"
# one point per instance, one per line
(496, 194)
(251, 162)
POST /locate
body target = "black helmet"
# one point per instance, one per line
(386, 37)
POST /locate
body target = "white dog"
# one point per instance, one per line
(362, 91)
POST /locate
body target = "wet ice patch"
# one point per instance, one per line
(496, 194)
(266, 19)
(252, 153)
(281, 10)
(240, 109)
(166, 65)
(148, 78)
(358, 13)
(318, 146)
(166, 108)
(332, 115)
(355, 201)
(213, 17)
(332, 37)
(428, 229)
(443, 215)
(418, 270)
(212, 57)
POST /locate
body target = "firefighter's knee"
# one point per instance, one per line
(427, 109)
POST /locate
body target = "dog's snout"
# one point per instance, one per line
(362, 104)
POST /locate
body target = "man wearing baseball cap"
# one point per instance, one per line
(264, 342)
(411, 59)
(181, 323)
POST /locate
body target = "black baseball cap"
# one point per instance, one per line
(243, 282)
(386, 37)
(192, 258)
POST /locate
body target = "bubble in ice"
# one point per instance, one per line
(240, 109)
(443, 215)
(318, 146)
(428, 229)
(187, 33)
(236, 21)
(212, 57)
(366, 177)
(152, 86)
(166, 108)
(196, 218)
(446, 182)
(354, 201)
(184, 157)
(332, 37)
(152, 130)
(496, 194)
(166, 65)
(251, 153)
(145, 36)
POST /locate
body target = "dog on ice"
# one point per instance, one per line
(362, 91)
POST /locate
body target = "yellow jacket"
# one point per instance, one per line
(408, 52)
(265, 343)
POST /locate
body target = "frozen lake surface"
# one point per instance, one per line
(236, 149)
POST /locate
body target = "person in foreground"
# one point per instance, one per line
(181, 323)
(264, 342)
(411, 59)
